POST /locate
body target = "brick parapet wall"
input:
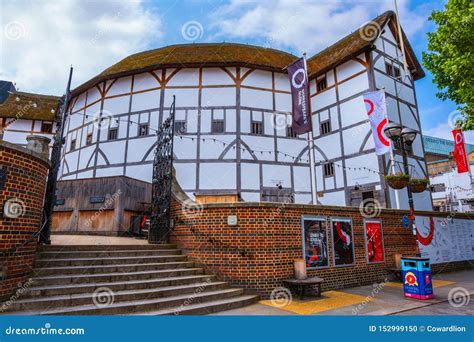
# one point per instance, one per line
(258, 253)
(25, 184)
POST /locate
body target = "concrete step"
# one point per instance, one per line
(57, 290)
(69, 279)
(48, 303)
(108, 261)
(205, 308)
(50, 248)
(63, 270)
(105, 254)
(170, 302)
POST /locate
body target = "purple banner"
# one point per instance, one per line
(300, 97)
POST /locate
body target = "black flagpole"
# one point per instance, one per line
(50, 196)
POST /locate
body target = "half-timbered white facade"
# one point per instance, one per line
(233, 120)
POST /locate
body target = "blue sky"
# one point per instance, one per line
(45, 37)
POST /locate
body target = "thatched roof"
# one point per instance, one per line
(231, 54)
(29, 106)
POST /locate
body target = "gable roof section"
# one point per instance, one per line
(29, 106)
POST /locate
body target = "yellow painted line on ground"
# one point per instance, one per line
(436, 283)
(330, 300)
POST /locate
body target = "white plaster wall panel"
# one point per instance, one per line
(390, 49)
(212, 149)
(392, 109)
(302, 198)
(116, 105)
(146, 100)
(154, 118)
(259, 79)
(315, 124)
(408, 117)
(353, 138)
(103, 132)
(185, 77)
(387, 33)
(418, 147)
(330, 144)
(141, 172)
(333, 198)
(384, 82)
(80, 103)
(92, 112)
(145, 116)
(187, 97)
(257, 115)
(68, 177)
(15, 137)
(268, 124)
(133, 125)
(206, 119)
(145, 81)
(186, 175)
(169, 72)
(329, 182)
(192, 123)
(75, 120)
(215, 97)
(85, 174)
(334, 118)
(109, 172)
(301, 178)
(230, 120)
(330, 78)
(121, 86)
(291, 147)
(114, 151)
(338, 175)
(257, 144)
(216, 76)
(323, 99)
(379, 61)
(217, 176)
(84, 157)
(282, 82)
(122, 127)
(138, 147)
(230, 154)
(283, 102)
(319, 178)
(250, 196)
(218, 114)
(250, 176)
(362, 176)
(353, 86)
(324, 115)
(256, 98)
(245, 121)
(36, 125)
(312, 86)
(406, 93)
(20, 125)
(276, 174)
(99, 161)
(281, 122)
(348, 69)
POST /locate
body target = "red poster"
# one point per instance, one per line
(373, 231)
(460, 152)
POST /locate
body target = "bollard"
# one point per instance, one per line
(300, 269)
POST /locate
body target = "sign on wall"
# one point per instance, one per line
(315, 242)
(445, 239)
(374, 241)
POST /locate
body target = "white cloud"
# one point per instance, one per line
(443, 130)
(40, 39)
(303, 25)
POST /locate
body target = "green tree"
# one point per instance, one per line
(450, 56)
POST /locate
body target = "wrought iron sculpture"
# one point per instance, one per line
(50, 195)
(162, 181)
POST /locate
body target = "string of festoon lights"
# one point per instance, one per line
(226, 144)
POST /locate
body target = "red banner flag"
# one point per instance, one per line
(460, 152)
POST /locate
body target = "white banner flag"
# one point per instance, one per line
(377, 111)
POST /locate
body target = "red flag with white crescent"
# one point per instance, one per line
(460, 151)
(377, 111)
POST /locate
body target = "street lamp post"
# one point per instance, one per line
(404, 137)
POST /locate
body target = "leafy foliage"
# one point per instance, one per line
(451, 56)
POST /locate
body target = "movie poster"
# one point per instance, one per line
(315, 242)
(374, 241)
(343, 243)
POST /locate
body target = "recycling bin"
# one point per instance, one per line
(416, 276)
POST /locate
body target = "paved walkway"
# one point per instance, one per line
(378, 299)
(59, 239)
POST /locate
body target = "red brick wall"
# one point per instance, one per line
(259, 252)
(25, 184)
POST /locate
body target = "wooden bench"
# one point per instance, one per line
(303, 283)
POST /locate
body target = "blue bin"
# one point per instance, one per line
(416, 276)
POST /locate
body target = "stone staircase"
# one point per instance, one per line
(122, 280)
